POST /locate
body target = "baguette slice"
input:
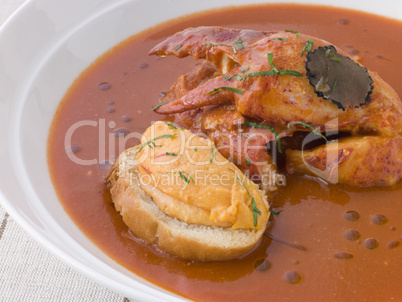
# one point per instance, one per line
(147, 221)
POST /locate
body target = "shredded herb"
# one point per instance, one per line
(239, 78)
(308, 47)
(195, 149)
(148, 143)
(336, 82)
(250, 124)
(153, 145)
(281, 39)
(161, 104)
(239, 44)
(271, 62)
(274, 212)
(178, 47)
(254, 208)
(171, 154)
(171, 125)
(182, 176)
(331, 55)
(239, 91)
(271, 72)
(221, 44)
(232, 170)
(248, 163)
(311, 127)
(212, 155)
(242, 70)
(293, 31)
(185, 178)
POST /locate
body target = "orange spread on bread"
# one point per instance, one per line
(190, 180)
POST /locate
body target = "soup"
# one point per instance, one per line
(325, 243)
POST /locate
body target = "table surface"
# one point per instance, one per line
(28, 272)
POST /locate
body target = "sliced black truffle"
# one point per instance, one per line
(337, 78)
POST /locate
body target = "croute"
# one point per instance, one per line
(176, 190)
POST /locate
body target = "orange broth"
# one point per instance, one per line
(117, 92)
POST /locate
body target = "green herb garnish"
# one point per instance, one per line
(242, 70)
(274, 212)
(185, 178)
(171, 125)
(311, 127)
(281, 39)
(308, 47)
(182, 176)
(178, 47)
(221, 44)
(161, 104)
(171, 154)
(293, 31)
(248, 163)
(271, 62)
(239, 78)
(212, 155)
(331, 55)
(250, 124)
(148, 143)
(239, 91)
(195, 149)
(239, 44)
(254, 208)
(271, 72)
(336, 82)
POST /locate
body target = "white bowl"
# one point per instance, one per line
(45, 45)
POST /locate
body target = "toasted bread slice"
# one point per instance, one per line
(186, 240)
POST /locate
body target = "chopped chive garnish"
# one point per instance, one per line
(274, 212)
(290, 72)
(161, 104)
(308, 46)
(239, 91)
(239, 78)
(261, 73)
(248, 163)
(242, 70)
(293, 31)
(271, 72)
(171, 125)
(232, 170)
(254, 208)
(271, 62)
(239, 44)
(178, 47)
(171, 154)
(195, 149)
(250, 124)
(281, 39)
(221, 44)
(311, 127)
(212, 155)
(336, 82)
(331, 55)
(185, 178)
(182, 176)
(154, 139)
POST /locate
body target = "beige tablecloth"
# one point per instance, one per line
(28, 272)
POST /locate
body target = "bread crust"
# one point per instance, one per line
(147, 221)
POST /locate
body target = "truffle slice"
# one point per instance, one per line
(337, 78)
